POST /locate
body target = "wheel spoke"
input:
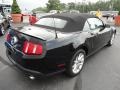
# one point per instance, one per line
(80, 56)
(75, 68)
(2, 30)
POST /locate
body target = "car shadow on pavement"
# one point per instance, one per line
(57, 82)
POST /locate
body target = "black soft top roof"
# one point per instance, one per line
(75, 21)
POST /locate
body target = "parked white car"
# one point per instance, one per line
(53, 11)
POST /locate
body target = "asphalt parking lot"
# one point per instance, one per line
(100, 72)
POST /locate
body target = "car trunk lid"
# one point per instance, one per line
(25, 44)
(39, 32)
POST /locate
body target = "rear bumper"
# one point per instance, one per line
(30, 71)
(25, 70)
(33, 66)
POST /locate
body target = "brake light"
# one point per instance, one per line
(8, 37)
(31, 48)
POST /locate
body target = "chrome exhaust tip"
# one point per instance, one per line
(32, 77)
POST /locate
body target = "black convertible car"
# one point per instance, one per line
(57, 43)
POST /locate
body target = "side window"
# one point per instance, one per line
(86, 26)
(94, 23)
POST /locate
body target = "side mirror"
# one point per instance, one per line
(107, 25)
(4, 18)
(102, 27)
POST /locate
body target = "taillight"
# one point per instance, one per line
(31, 48)
(8, 37)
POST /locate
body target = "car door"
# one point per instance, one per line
(91, 35)
(96, 33)
(104, 31)
(106, 35)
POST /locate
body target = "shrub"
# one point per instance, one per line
(15, 8)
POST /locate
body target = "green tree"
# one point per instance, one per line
(44, 9)
(116, 5)
(53, 5)
(71, 5)
(63, 6)
(15, 8)
(102, 5)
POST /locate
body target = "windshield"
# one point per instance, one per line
(52, 22)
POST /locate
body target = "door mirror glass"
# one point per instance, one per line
(102, 27)
(107, 25)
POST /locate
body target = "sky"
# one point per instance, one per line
(31, 4)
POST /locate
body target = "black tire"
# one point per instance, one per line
(69, 65)
(110, 43)
(2, 31)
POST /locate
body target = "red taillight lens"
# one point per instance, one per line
(8, 37)
(30, 48)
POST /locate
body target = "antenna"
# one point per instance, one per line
(56, 36)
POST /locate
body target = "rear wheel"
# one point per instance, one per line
(2, 31)
(75, 65)
(110, 43)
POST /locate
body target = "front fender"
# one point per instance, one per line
(114, 30)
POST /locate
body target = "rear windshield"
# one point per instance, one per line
(52, 22)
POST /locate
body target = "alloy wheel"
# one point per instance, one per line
(112, 39)
(2, 30)
(78, 63)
